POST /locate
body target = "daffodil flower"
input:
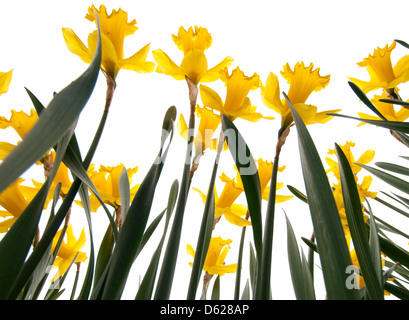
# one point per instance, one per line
(383, 75)
(5, 79)
(365, 158)
(20, 121)
(216, 254)
(68, 250)
(236, 104)
(224, 204)
(265, 170)
(114, 28)
(363, 186)
(303, 81)
(386, 109)
(194, 66)
(106, 180)
(14, 201)
(208, 123)
(61, 176)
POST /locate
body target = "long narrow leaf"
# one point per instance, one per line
(333, 250)
(355, 218)
(251, 182)
(300, 276)
(134, 225)
(146, 288)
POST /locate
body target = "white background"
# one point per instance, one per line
(262, 36)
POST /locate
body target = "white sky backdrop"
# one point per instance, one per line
(261, 36)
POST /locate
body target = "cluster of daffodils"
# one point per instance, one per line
(194, 69)
(207, 105)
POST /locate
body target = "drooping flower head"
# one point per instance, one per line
(68, 250)
(303, 81)
(5, 79)
(114, 28)
(383, 75)
(237, 104)
(193, 43)
(216, 254)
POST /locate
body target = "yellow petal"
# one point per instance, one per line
(5, 79)
(5, 149)
(323, 117)
(270, 94)
(210, 98)
(213, 73)
(138, 62)
(75, 45)
(166, 65)
(194, 65)
(199, 38)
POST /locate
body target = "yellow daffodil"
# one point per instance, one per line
(114, 28)
(106, 180)
(208, 123)
(224, 204)
(194, 66)
(5, 79)
(363, 186)
(214, 263)
(21, 122)
(68, 250)
(382, 74)
(365, 158)
(265, 170)
(386, 109)
(61, 175)
(236, 104)
(14, 201)
(303, 81)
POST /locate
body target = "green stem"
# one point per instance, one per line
(263, 287)
(205, 229)
(169, 261)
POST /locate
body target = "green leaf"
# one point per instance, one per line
(251, 181)
(393, 167)
(134, 225)
(53, 123)
(396, 182)
(216, 289)
(205, 232)
(298, 193)
(332, 247)
(365, 99)
(146, 288)
(16, 243)
(300, 274)
(403, 43)
(397, 126)
(354, 213)
(239, 265)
